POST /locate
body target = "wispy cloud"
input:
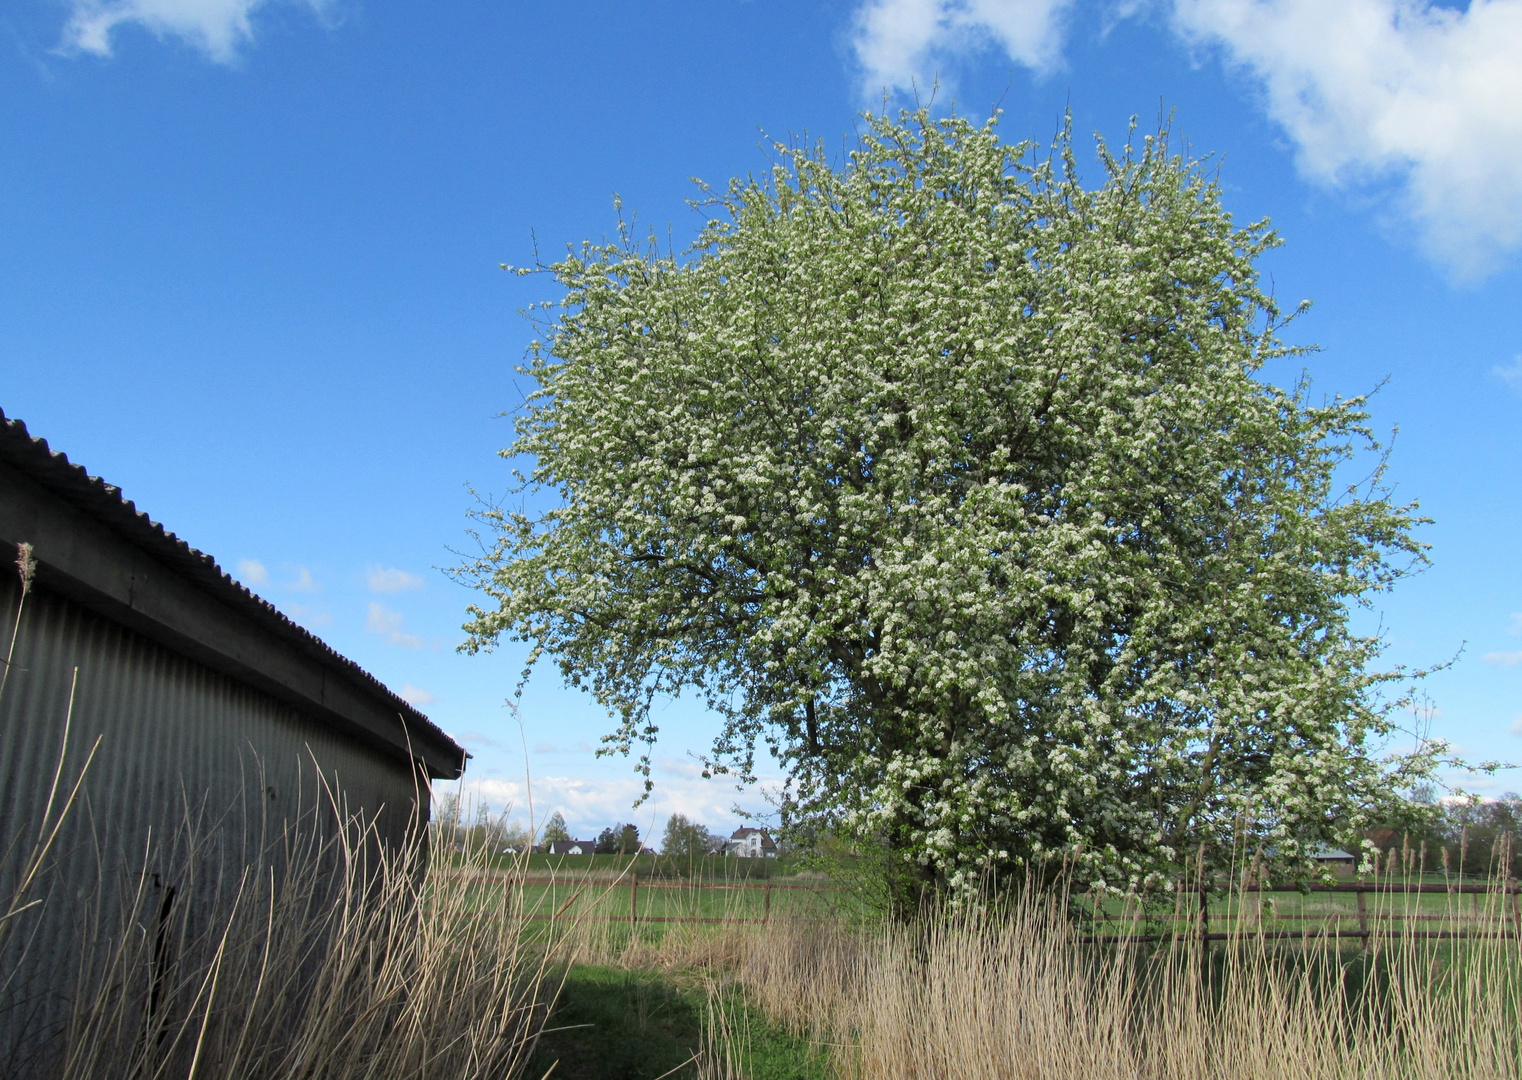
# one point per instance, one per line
(1423, 95)
(1504, 659)
(252, 573)
(415, 695)
(476, 738)
(391, 580)
(1511, 375)
(215, 28)
(685, 768)
(391, 625)
(304, 582)
(307, 615)
(903, 43)
(1516, 726)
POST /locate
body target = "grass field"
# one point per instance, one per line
(485, 970)
(602, 888)
(630, 898)
(648, 867)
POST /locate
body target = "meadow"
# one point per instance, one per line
(361, 962)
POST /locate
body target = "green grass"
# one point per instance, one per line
(618, 1024)
(698, 901)
(599, 894)
(712, 868)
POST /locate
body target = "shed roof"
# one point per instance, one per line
(1331, 854)
(293, 664)
(571, 847)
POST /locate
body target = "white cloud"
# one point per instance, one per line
(303, 582)
(902, 43)
(391, 580)
(1402, 88)
(391, 626)
(590, 805)
(1511, 375)
(1516, 623)
(216, 28)
(415, 695)
(1368, 90)
(252, 572)
(306, 615)
(685, 768)
(1504, 659)
(1516, 726)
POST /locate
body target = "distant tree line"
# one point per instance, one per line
(682, 839)
(1476, 838)
(618, 839)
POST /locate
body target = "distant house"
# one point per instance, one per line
(570, 847)
(1333, 858)
(749, 843)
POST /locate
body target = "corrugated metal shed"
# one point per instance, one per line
(208, 707)
(160, 585)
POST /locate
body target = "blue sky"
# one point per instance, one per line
(250, 251)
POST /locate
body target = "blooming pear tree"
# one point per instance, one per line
(953, 483)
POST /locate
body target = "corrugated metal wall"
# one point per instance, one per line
(175, 738)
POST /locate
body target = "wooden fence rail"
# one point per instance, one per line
(1365, 887)
(1360, 890)
(1300, 935)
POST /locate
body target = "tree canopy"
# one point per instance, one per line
(686, 839)
(554, 829)
(618, 840)
(954, 482)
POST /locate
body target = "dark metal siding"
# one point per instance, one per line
(97, 547)
(175, 738)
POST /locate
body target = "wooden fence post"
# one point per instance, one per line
(766, 915)
(1204, 912)
(1363, 916)
(633, 905)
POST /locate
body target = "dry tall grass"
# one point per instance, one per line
(365, 965)
(332, 957)
(1007, 991)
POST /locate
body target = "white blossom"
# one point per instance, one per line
(953, 482)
